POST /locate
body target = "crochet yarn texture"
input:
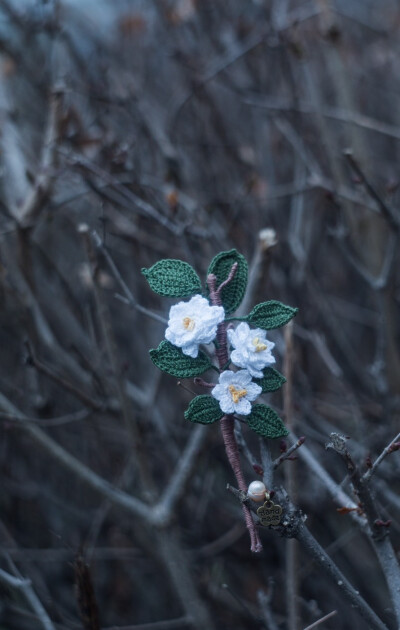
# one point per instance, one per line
(266, 422)
(220, 266)
(173, 278)
(171, 360)
(272, 314)
(203, 409)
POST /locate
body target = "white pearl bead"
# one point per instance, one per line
(256, 491)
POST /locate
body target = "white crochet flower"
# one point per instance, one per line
(192, 323)
(235, 392)
(252, 349)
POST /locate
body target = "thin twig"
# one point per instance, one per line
(230, 277)
(319, 621)
(264, 601)
(176, 484)
(379, 538)
(127, 292)
(287, 454)
(85, 594)
(17, 582)
(243, 605)
(223, 542)
(167, 624)
(386, 451)
(336, 492)
(41, 325)
(387, 212)
(180, 574)
(377, 283)
(266, 240)
(219, 66)
(123, 195)
(112, 353)
(266, 460)
(88, 401)
(44, 181)
(242, 444)
(78, 416)
(291, 135)
(335, 113)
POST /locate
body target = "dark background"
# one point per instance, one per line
(180, 128)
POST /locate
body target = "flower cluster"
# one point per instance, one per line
(204, 315)
(195, 322)
(244, 354)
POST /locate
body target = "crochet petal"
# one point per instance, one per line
(243, 407)
(209, 335)
(242, 378)
(178, 310)
(226, 403)
(253, 391)
(238, 359)
(218, 391)
(169, 335)
(259, 363)
(198, 300)
(218, 314)
(241, 333)
(269, 359)
(254, 373)
(226, 377)
(259, 332)
(191, 350)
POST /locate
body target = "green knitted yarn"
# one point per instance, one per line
(204, 409)
(271, 380)
(270, 315)
(173, 278)
(220, 266)
(266, 422)
(171, 360)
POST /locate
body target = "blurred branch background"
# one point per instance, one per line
(135, 130)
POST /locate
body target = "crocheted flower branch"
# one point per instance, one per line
(202, 320)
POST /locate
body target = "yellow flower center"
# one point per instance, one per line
(189, 323)
(260, 346)
(237, 394)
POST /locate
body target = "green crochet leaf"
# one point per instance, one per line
(270, 315)
(221, 265)
(266, 422)
(173, 278)
(171, 360)
(204, 409)
(271, 380)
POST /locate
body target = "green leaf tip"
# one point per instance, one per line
(173, 278)
(171, 360)
(272, 314)
(204, 409)
(266, 422)
(220, 266)
(271, 380)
